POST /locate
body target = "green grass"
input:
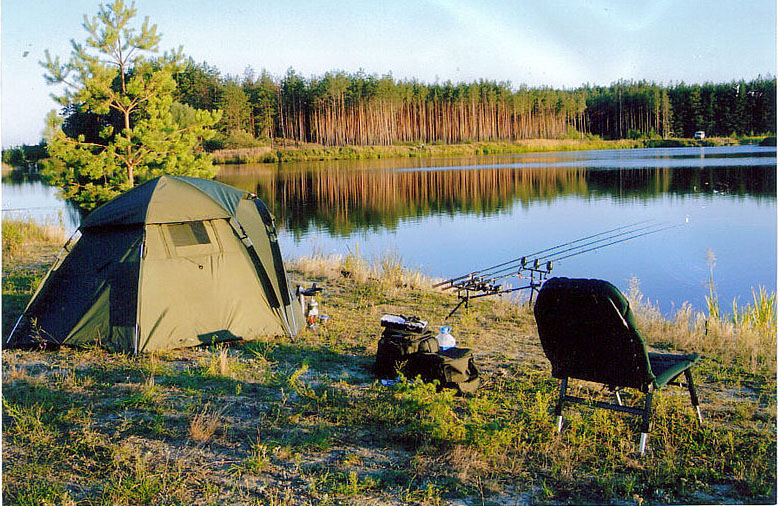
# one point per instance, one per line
(313, 152)
(303, 421)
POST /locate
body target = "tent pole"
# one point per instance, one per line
(138, 300)
(18, 320)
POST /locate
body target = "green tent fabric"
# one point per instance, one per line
(174, 262)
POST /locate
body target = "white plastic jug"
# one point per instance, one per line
(445, 339)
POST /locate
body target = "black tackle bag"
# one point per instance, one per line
(452, 367)
(408, 347)
(402, 338)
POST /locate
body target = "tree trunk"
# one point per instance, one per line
(130, 168)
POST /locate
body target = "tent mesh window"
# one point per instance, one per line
(189, 234)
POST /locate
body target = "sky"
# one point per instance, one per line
(557, 43)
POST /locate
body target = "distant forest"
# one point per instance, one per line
(360, 109)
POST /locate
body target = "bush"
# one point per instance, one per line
(240, 139)
(21, 156)
(214, 144)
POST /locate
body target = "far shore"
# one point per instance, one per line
(284, 150)
(288, 151)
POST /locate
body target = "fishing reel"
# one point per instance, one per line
(534, 265)
(478, 284)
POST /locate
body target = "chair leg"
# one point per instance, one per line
(560, 404)
(643, 441)
(617, 395)
(693, 394)
(646, 425)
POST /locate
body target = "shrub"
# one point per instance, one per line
(236, 139)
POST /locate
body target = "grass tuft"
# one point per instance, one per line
(388, 269)
(204, 423)
(20, 235)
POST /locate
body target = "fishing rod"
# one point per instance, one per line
(486, 270)
(654, 231)
(536, 267)
(558, 254)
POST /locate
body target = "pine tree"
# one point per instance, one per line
(116, 76)
(235, 107)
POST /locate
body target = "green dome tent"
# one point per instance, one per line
(174, 262)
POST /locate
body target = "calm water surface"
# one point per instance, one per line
(25, 198)
(448, 217)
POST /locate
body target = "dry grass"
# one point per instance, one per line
(204, 423)
(20, 235)
(388, 269)
(218, 362)
(746, 337)
(15, 373)
(319, 265)
(286, 151)
(244, 155)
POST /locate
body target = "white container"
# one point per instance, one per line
(445, 339)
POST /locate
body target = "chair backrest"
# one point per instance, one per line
(588, 332)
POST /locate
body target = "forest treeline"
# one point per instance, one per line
(341, 108)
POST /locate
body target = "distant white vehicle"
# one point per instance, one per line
(699, 134)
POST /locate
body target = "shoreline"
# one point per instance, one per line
(283, 151)
(301, 152)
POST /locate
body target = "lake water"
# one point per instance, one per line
(448, 217)
(29, 198)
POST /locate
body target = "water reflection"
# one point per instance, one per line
(342, 198)
(449, 216)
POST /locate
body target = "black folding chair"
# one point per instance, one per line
(588, 333)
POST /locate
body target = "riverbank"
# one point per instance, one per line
(302, 421)
(291, 152)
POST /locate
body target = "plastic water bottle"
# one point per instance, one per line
(445, 339)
